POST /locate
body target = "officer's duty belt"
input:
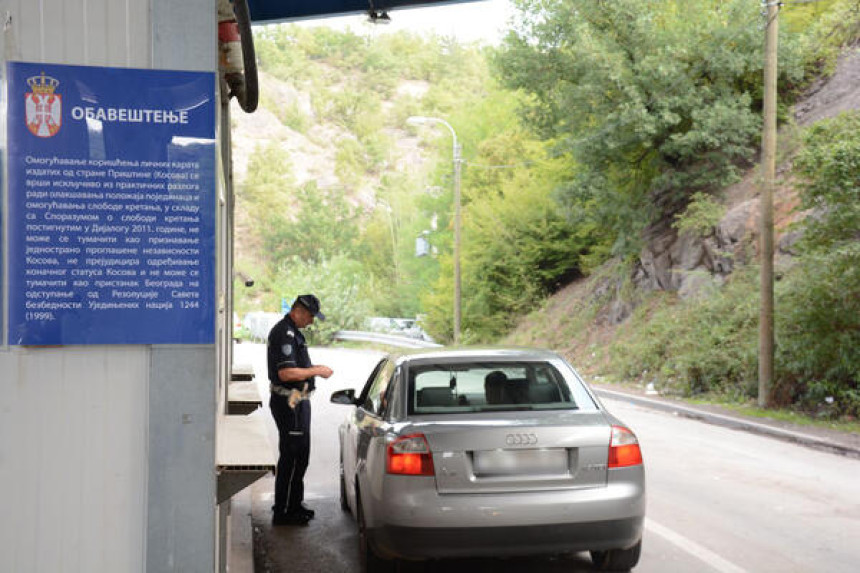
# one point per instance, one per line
(287, 392)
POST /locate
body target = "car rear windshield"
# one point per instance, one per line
(505, 386)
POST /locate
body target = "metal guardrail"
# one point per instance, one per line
(380, 338)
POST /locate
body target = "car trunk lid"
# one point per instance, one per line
(508, 452)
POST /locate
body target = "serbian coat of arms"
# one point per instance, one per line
(44, 106)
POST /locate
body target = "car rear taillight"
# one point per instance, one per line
(624, 448)
(409, 455)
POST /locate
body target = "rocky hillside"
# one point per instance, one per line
(311, 153)
(689, 264)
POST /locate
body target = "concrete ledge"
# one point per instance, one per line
(241, 373)
(243, 454)
(243, 398)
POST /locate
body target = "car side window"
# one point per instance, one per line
(374, 397)
(365, 389)
(392, 400)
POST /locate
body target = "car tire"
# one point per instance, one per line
(344, 504)
(369, 560)
(617, 559)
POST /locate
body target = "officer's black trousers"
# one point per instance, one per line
(294, 444)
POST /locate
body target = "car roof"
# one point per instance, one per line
(466, 353)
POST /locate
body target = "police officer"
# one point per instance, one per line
(291, 377)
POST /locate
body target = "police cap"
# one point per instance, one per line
(311, 303)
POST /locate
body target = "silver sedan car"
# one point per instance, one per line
(488, 452)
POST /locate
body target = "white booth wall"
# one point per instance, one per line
(107, 453)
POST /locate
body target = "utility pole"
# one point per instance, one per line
(766, 339)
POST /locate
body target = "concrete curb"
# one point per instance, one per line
(735, 423)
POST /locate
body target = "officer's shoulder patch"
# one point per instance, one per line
(287, 349)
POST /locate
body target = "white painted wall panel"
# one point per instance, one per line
(55, 47)
(107, 453)
(84, 32)
(96, 49)
(73, 446)
(139, 38)
(74, 420)
(74, 16)
(28, 12)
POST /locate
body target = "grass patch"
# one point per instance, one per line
(783, 415)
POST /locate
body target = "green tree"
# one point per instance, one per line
(518, 249)
(312, 224)
(655, 99)
(387, 245)
(517, 244)
(338, 281)
(818, 318)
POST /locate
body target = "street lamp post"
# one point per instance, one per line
(421, 120)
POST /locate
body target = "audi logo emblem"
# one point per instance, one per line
(521, 439)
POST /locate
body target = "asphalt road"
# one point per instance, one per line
(718, 499)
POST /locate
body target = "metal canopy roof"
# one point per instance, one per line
(271, 10)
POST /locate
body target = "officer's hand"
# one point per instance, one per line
(323, 371)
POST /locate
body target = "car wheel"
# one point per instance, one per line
(344, 504)
(617, 559)
(370, 561)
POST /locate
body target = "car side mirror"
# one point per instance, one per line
(345, 397)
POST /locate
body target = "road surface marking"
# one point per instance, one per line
(693, 548)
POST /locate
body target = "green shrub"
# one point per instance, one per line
(292, 116)
(694, 346)
(818, 332)
(828, 399)
(349, 159)
(818, 302)
(702, 215)
(830, 165)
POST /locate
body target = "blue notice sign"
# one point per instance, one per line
(111, 205)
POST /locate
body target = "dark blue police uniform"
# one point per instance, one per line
(287, 349)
